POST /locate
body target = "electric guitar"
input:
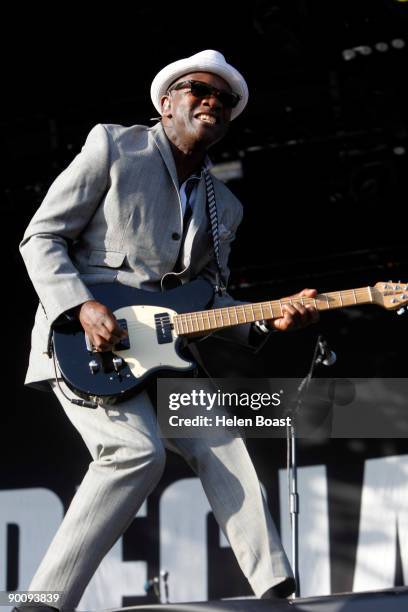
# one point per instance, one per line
(158, 324)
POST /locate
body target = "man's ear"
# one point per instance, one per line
(165, 106)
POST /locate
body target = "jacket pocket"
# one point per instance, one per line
(106, 259)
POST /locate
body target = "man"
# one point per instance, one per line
(116, 215)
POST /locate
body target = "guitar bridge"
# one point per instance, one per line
(163, 328)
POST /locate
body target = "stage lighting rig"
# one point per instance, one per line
(366, 50)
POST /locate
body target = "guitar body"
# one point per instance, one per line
(152, 345)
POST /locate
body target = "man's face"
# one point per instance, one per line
(193, 120)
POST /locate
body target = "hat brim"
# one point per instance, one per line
(174, 71)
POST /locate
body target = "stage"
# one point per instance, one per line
(390, 600)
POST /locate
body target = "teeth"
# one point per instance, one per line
(207, 118)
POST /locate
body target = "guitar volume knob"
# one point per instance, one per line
(118, 363)
(93, 366)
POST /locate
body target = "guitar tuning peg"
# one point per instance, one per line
(400, 311)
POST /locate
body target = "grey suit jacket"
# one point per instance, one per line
(114, 215)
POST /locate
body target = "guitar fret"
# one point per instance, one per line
(194, 322)
(244, 314)
(220, 317)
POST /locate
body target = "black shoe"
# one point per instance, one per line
(281, 590)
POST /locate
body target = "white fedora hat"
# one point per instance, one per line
(205, 61)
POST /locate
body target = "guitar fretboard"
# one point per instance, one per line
(218, 318)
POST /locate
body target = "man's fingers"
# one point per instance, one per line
(296, 315)
(310, 293)
(102, 338)
(100, 332)
(113, 337)
(112, 325)
(98, 319)
(289, 317)
(99, 343)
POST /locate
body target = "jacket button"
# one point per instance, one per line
(175, 236)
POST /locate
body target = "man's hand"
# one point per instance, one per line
(297, 316)
(100, 325)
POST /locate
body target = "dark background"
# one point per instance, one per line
(323, 145)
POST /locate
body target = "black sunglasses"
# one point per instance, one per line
(204, 90)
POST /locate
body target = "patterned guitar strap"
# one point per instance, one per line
(219, 286)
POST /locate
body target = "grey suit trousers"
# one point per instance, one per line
(128, 461)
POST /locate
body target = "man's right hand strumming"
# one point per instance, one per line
(100, 325)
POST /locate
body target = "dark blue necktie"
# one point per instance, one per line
(186, 222)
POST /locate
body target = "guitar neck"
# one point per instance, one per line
(192, 323)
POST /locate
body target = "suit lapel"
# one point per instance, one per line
(163, 145)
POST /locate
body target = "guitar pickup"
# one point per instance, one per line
(163, 328)
(124, 344)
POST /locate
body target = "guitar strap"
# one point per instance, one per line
(219, 287)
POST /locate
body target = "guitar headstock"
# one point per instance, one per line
(390, 295)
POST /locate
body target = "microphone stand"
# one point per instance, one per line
(160, 586)
(319, 356)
